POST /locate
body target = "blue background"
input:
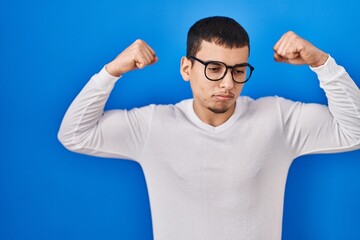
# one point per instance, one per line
(48, 51)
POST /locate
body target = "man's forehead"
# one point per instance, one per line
(213, 51)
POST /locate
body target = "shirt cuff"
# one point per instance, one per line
(105, 80)
(328, 70)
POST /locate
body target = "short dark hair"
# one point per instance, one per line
(224, 31)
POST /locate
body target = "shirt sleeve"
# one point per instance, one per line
(87, 129)
(315, 128)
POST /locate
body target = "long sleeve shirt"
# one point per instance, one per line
(216, 183)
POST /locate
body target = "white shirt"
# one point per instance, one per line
(214, 183)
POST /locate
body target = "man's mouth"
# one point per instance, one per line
(224, 96)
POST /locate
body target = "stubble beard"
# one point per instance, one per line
(218, 110)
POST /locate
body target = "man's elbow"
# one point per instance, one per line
(68, 141)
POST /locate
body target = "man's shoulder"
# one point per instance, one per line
(167, 109)
(267, 100)
(269, 104)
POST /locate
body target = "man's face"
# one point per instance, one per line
(214, 97)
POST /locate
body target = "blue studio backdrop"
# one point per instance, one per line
(49, 50)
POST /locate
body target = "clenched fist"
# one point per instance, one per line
(295, 50)
(138, 55)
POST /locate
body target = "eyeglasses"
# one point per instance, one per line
(215, 70)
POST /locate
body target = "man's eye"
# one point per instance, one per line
(239, 71)
(214, 69)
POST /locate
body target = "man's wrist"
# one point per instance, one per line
(104, 80)
(321, 61)
(112, 71)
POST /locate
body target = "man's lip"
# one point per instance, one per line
(224, 96)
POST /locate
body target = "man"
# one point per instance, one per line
(216, 165)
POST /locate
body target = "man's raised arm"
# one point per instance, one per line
(87, 129)
(313, 128)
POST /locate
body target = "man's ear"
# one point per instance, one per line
(185, 67)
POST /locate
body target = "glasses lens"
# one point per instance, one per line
(241, 73)
(215, 70)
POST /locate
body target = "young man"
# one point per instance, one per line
(216, 165)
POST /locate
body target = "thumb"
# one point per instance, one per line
(292, 58)
(141, 64)
(155, 60)
(279, 58)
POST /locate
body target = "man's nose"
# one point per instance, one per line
(227, 82)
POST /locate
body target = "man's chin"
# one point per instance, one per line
(218, 110)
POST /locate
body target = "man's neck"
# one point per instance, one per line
(212, 118)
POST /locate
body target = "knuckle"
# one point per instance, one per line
(288, 51)
(291, 33)
(139, 42)
(281, 52)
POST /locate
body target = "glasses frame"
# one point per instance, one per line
(227, 67)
